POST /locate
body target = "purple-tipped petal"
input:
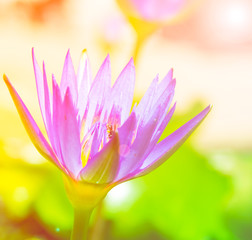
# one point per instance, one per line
(102, 168)
(169, 145)
(31, 127)
(68, 79)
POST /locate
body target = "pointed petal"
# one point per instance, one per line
(84, 82)
(43, 92)
(169, 145)
(157, 133)
(127, 130)
(163, 102)
(102, 81)
(48, 105)
(165, 98)
(126, 134)
(68, 79)
(123, 90)
(69, 134)
(140, 146)
(159, 130)
(56, 108)
(84, 67)
(93, 141)
(156, 94)
(98, 92)
(96, 140)
(31, 127)
(165, 82)
(103, 167)
(146, 102)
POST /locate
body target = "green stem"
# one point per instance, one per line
(81, 222)
(98, 228)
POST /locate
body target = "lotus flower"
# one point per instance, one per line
(95, 136)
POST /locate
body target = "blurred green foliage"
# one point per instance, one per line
(193, 196)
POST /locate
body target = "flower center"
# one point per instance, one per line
(96, 138)
(109, 130)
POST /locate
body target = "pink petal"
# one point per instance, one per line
(160, 126)
(69, 134)
(43, 92)
(145, 104)
(126, 135)
(84, 82)
(101, 83)
(164, 100)
(96, 140)
(157, 133)
(127, 130)
(98, 92)
(123, 90)
(114, 118)
(56, 108)
(139, 147)
(165, 82)
(169, 145)
(48, 104)
(93, 140)
(31, 127)
(156, 94)
(102, 168)
(162, 103)
(68, 79)
(163, 124)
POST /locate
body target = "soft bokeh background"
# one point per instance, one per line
(204, 191)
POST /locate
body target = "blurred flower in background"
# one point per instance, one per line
(146, 16)
(207, 193)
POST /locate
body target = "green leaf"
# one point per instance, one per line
(53, 206)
